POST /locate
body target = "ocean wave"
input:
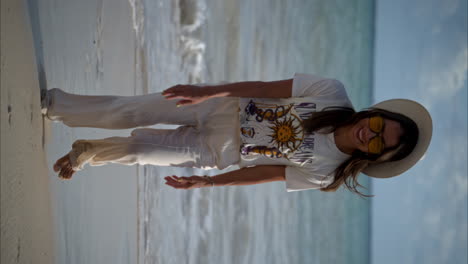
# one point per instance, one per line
(138, 22)
(191, 18)
(192, 14)
(138, 18)
(98, 42)
(193, 59)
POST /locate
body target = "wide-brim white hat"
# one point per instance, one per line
(423, 120)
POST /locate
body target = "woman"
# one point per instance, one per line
(303, 131)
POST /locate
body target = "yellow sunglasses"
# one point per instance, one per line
(376, 144)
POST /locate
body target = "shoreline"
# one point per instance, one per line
(92, 53)
(26, 205)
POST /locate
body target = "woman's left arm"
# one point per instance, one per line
(193, 94)
(274, 89)
(244, 176)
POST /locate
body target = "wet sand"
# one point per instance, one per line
(27, 227)
(88, 48)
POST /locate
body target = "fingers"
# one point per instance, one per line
(174, 92)
(184, 102)
(169, 91)
(181, 92)
(172, 182)
(179, 182)
(186, 99)
(171, 96)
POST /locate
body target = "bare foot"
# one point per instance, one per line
(64, 166)
(61, 162)
(66, 173)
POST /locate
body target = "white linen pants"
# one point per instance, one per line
(208, 135)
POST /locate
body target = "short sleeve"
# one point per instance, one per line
(309, 85)
(300, 178)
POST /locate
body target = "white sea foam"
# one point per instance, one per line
(138, 22)
(192, 14)
(98, 42)
(193, 51)
(191, 18)
(138, 17)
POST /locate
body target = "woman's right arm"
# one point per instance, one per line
(244, 176)
(192, 94)
(275, 89)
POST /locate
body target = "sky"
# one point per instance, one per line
(421, 54)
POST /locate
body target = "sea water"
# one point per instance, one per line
(122, 214)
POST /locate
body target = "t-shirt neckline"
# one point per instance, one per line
(331, 137)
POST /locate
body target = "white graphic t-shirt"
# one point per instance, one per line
(272, 132)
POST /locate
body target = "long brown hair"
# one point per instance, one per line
(332, 118)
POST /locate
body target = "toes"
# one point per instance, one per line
(66, 173)
(64, 167)
(61, 163)
(71, 173)
(56, 167)
(61, 174)
(65, 159)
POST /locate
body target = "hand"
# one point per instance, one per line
(187, 182)
(190, 94)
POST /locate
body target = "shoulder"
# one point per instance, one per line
(305, 178)
(310, 85)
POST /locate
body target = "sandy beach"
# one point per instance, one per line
(27, 233)
(84, 48)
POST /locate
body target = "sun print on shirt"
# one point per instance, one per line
(286, 134)
(284, 130)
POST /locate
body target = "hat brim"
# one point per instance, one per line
(423, 120)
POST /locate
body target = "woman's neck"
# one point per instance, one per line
(342, 139)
